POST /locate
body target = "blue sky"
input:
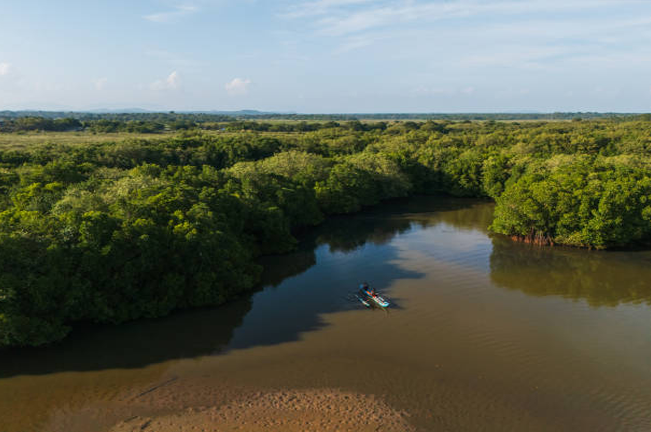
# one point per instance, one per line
(319, 56)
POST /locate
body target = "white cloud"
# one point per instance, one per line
(238, 86)
(5, 68)
(341, 17)
(171, 16)
(170, 83)
(100, 83)
(172, 80)
(532, 35)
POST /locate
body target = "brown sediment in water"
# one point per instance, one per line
(287, 410)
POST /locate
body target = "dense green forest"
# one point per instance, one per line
(114, 231)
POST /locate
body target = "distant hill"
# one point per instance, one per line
(118, 111)
(239, 113)
(137, 112)
(215, 112)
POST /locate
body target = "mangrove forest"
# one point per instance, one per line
(172, 212)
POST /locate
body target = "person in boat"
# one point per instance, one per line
(367, 289)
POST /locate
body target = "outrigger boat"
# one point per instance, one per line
(378, 300)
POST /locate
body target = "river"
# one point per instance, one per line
(483, 334)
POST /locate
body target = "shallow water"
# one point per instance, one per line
(483, 334)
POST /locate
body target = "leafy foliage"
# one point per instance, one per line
(112, 232)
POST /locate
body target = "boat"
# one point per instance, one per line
(377, 299)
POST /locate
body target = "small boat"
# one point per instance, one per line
(374, 296)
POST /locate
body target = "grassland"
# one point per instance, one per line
(22, 141)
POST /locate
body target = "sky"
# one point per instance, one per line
(327, 56)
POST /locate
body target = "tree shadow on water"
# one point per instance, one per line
(134, 344)
(349, 250)
(293, 297)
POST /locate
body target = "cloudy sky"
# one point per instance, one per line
(319, 56)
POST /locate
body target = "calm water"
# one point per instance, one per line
(485, 334)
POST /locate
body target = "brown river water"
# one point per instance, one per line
(483, 335)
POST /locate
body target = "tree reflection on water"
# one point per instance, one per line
(601, 278)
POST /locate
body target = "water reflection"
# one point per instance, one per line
(600, 278)
(380, 225)
(376, 226)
